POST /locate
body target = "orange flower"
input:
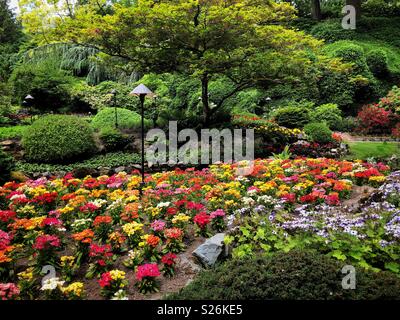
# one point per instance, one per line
(3, 254)
(86, 236)
(152, 240)
(130, 212)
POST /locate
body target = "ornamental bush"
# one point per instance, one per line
(112, 139)
(377, 61)
(126, 119)
(297, 275)
(318, 132)
(6, 165)
(292, 116)
(328, 113)
(58, 139)
(374, 119)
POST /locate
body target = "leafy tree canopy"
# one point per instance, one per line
(247, 42)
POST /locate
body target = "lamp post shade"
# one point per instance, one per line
(142, 90)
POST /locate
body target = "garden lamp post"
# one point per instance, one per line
(28, 101)
(142, 91)
(114, 94)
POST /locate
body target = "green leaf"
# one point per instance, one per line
(338, 255)
(392, 266)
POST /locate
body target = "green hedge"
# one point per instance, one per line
(58, 139)
(110, 160)
(318, 132)
(126, 119)
(296, 275)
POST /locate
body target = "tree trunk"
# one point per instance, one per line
(316, 10)
(204, 99)
(357, 5)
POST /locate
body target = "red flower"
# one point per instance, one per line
(46, 241)
(171, 211)
(202, 219)
(51, 222)
(332, 199)
(105, 280)
(147, 270)
(289, 197)
(169, 259)
(89, 207)
(7, 215)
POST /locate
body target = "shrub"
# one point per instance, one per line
(126, 119)
(377, 61)
(46, 82)
(111, 160)
(347, 124)
(296, 275)
(112, 139)
(374, 119)
(318, 132)
(331, 31)
(58, 138)
(6, 165)
(292, 116)
(328, 113)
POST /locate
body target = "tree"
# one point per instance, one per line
(316, 10)
(247, 42)
(357, 5)
(10, 38)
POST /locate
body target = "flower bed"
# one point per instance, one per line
(87, 226)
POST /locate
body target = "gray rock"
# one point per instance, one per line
(120, 169)
(209, 252)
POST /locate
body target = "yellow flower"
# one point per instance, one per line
(377, 178)
(132, 228)
(117, 275)
(67, 261)
(180, 217)
(26, 275)
(66, 209)
(75, 288)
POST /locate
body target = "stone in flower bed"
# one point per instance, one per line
(98, 227)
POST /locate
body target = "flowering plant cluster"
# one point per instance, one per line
(80, 225)
(111, 282)
(146, 278)
(341, 233)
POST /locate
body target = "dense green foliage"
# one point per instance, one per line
(125, 119)
(109, 160)
(318, 132)
(295, 275)
(12, 132)
(112, 139)
(6, 165)
(58, 138)
(328, 113)
(292, 116)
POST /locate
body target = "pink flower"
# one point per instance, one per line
(158, 225)
(8, 291)
(217, 213)
(147, 270)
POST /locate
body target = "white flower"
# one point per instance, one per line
(120, 295)
(51, 284)
(99, 202)
(248, 201)
(163, 204)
